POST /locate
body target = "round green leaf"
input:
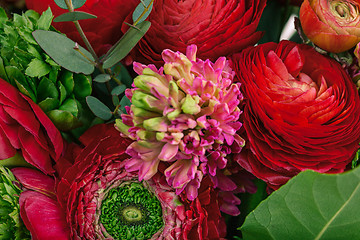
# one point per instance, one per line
(311, 206)
(98, 108)
(75, 3)
(63, 52)
(102, 78)
(118, 90)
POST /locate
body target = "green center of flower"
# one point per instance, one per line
(346, 11)
(131, 211)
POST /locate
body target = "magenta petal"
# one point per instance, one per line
(52, 132)
(34, 153)
(6, 149)
(168, 152)
(43, 217)
(35, 180)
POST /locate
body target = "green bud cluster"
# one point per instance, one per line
(131, 211)
(11, 225)
(60, 93)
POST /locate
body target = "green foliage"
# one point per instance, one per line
(25, 65)
(142, 11)
(75, 3)
(11, 225)
(98, 108)
(122, 48)
(310, 206)
(64, 51)
(74, 16)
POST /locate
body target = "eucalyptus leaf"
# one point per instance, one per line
(102, 78)
(310, 206)
(98, 108)
(75, 3)
(74, 16)
(118, 90)
(141, 12)
(122, 48)
(63, 52)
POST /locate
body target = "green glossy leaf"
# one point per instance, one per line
(75, 3)
(74, 16)
(82, 86)
(3, 74)
(62, 91)
(70, 106)
(49, 104)
(37, 68)
(102, 78)
(63, 120)
(118, 90)
(142, 11)
(310, 206)
(63, 52)
(122, 48)
(67, 79)
(98, 108)
(47, 89)
(15, 76)
(3, 16)
(45, 20)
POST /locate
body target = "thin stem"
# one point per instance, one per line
(82, 34)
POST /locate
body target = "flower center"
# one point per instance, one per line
(346, 11)
(131, 211)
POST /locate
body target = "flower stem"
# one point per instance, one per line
(82, 34)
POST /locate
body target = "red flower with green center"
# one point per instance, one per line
(96, 198)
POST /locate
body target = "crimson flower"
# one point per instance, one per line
(301, 112)
(218, 28)
(96, 198)
(24, 127)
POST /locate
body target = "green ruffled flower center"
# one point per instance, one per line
(345, 11)
(131, 211)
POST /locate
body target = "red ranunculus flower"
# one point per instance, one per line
(103, 31)
(25, 127)
(96, 198)
(302, 112)
(218, 28)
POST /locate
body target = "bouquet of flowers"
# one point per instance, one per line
(190, 119)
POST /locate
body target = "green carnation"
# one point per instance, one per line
(61, 94)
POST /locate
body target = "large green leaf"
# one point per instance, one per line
(63, 52)
(310, 206)
(125, 44)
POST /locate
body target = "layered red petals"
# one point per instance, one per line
(301, 112)
(102, 32)
(43, 216)
(218, 28)
(25, 127)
